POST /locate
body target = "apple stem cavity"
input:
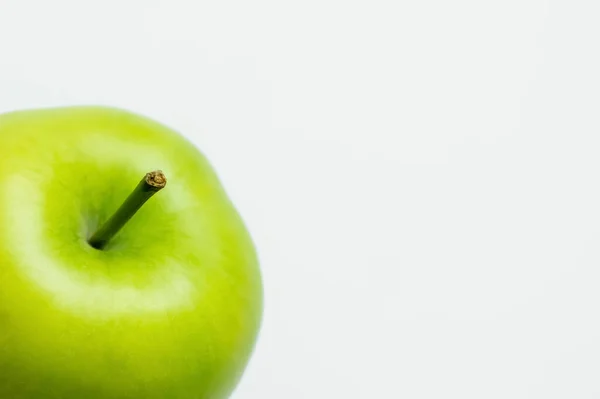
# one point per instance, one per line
(152, 183)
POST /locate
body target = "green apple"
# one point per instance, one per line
(166, 304)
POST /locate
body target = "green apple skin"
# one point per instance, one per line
(171, 308)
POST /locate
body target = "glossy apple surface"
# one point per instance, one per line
(170, 309)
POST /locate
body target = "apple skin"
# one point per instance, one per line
(171, 308)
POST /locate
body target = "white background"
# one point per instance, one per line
(420, 177)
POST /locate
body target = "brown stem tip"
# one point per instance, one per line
(156, 179)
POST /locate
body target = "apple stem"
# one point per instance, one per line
(148, 186)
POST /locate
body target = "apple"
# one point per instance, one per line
(101, 297)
